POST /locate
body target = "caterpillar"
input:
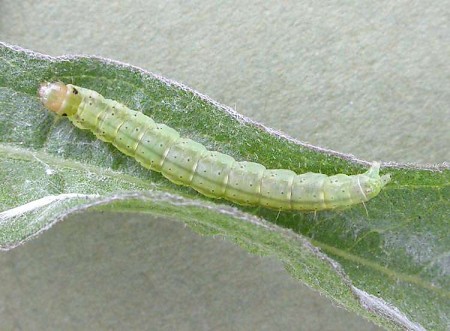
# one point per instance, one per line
(186, 162)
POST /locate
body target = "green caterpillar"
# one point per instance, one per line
(216, 175)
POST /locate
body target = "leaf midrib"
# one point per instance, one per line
(381, 269)
(17, 153)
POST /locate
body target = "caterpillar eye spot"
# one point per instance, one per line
(306, 192)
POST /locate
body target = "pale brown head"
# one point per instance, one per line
(59, 98)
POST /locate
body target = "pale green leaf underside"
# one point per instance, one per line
(399, 252)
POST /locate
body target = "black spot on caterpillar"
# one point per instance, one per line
(186, 162)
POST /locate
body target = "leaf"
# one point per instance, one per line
(390, 263)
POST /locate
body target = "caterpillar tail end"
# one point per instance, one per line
(374, 173)
(385, 179)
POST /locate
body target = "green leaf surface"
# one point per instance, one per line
(389, 263)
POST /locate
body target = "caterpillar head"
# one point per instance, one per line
(59, 98)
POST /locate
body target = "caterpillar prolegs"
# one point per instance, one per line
(186, 162)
